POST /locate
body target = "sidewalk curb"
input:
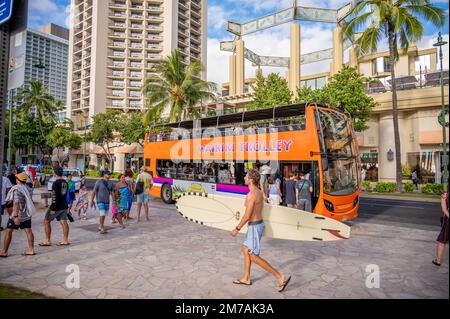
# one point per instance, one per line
(400, 197)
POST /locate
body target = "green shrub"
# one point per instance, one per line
(390, 187)
(93, 173)
(432, 188)
(367, 186)
(383, 187)
(406, 170)
(409, 187)
(115, 175)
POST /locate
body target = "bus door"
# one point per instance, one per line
(310, 167)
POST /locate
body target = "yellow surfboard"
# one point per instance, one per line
(225, 212)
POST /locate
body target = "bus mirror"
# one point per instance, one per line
(324, 164)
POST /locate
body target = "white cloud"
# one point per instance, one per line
(427, 42)
(217, 17)
(43, 6)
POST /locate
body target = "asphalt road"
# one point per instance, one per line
(406, 213)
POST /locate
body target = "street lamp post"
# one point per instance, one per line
(439, 44)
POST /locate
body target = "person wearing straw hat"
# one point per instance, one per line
(23, 209)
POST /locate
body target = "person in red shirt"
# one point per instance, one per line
(33, 172)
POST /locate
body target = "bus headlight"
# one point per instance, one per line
(329, 205)
(355, 202)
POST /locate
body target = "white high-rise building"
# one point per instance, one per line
(114, 43)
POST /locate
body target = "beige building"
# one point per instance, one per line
(419, 104)
(113, 46)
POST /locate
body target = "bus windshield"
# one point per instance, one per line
(339, 156)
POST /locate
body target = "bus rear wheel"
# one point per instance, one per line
(166, 194)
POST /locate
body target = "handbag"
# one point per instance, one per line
(139, 189)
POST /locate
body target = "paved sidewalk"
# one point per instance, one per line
(403, 197)
(170, 257)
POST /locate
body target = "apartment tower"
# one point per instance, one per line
(114, 44)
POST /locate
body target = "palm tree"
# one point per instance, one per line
(398, 22)
(176, 86)
(35, 99)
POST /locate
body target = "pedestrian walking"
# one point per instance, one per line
(121, 194)
(23, 210)
(102, 193)
(6, 186)
(255, 227)
(275, 190)
(58, 209)
(130, 182)
(83, 202)
(303, 193)
(442, 239)
(144, 183)
(289, 190)
(415, 179)
(70, 193)
(30, 180)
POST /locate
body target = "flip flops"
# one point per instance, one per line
(27, 254)
(283, 286)
(45, 244)
(63, 244)
(436, 263)
(239, 282)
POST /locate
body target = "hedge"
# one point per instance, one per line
(388, 187)
(432, 188)
(409, 187)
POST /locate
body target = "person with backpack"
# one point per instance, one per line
(303, 193)
(102, 193)
(70, 192)
(144, 183)
(23, 210)
(58, 209)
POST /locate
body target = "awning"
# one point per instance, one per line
(98, 150)
(78, 152)
(127, 149)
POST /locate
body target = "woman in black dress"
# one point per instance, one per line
(443, 235)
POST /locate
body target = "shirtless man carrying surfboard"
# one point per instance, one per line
(251, 247)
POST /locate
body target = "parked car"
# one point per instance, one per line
(77, 178)
(40, 175)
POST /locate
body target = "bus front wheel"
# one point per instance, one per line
(166, 194)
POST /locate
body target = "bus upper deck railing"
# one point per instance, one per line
(260, 128)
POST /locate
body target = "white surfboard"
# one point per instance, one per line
(225, 212)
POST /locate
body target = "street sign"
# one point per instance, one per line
(5, 10)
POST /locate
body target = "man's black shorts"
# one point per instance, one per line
(23, 225)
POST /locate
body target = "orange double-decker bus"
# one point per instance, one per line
(213, 154)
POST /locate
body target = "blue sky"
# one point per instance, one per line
(314, 36)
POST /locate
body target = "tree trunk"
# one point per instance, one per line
(398, 155)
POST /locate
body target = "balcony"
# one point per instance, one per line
(136, 35)
(196, 5)
(154, 18)
(152, 28)
(136, 56)
(154, 56)
(155, 38)
(135, 94)
(155, 9)
(136, 65)
(136, 17)
(183, 33)
(195, 39)
(183, 24)
(118, 44)
(118, 25)
(136, 26)
(135, 74)
(183, 5)
(136, 46)
(118, 64)
(117, 74)
(118, 5)
(154, 47)
(196, 31)
(195, 48)
(135, 84)
(195, 22)
(136, 7)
